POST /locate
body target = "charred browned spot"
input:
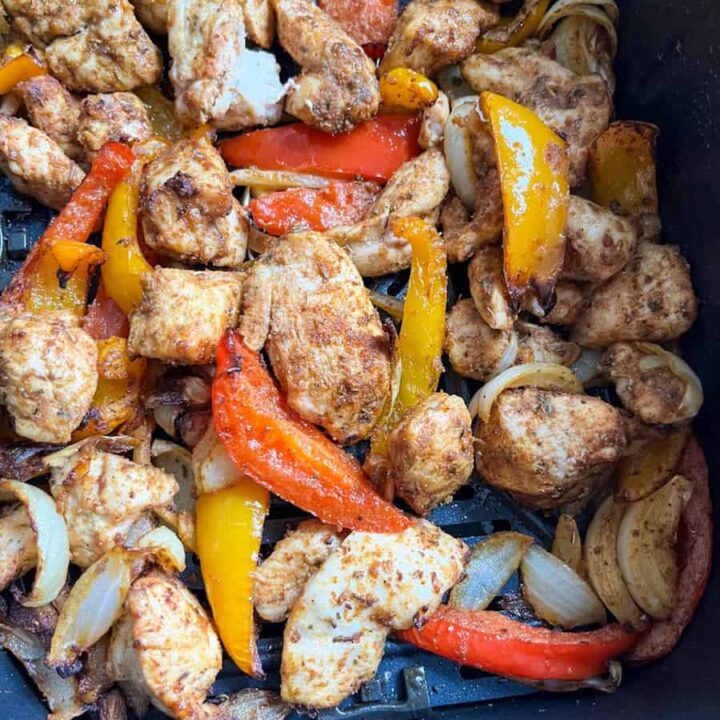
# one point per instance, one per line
(182, 185)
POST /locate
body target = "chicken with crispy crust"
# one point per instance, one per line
(541, 344)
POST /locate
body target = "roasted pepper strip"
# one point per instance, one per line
(533, 165)
(275, 447)
(104, 319)
(514, 31)
(22, 67)
(492, 642)
(229, 530)
(404, 90)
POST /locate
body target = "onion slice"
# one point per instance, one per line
(276, 179)
(567, 545)
(166, 548)
(604, 683)
(212, 466)
(489, 566)
(391, 305)
(557, 593)
(458, 150)
(51, 537)
(587, 367)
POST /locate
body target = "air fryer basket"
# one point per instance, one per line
(668, 73)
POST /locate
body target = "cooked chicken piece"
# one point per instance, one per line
(650, 299)
(259, 21)
(42, 22)
(217, 80)
(18, 545)
(434, 119)
(488, 290)
(53, 110)
(183, 314)
(35, 164)
(373, 583)
(48, 374)
(571, 299)
(649, 386)
(416, 189)
(432, 34)
(548, 448)
(102, 495)
(281, 577)
(431, 452)
(337, 87)
(540, 344)
(165, 646)
(306, 302)
(474, 349)
(187, 208)
(153, 14)
(120, 116)
(577, 108)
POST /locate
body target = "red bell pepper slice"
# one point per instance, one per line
(276, 448)
(313, 209)
(492, 642)
(365, 21)
(373, 150)
(104, 318)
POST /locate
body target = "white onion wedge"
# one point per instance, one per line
(391, 305)
(557, 593)
(567, 545)
(51, 536)
(166, 547)
(276, 179)
(549, 376)
(212, 466)
(603, 683)
(457, 146)
(489, 566)
(646, 547)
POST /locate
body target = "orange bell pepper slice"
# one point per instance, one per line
(229, 525)
(404, 90)
(533, 165)
(22, 67)
(515, 31)
(275, 447)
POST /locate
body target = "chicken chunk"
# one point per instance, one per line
(48, 374)
(488, 289)
(153, 14)
(217, 80)
(35, 164)
(571, 299)
(120, 116)
(540, 344)
(183, 314)
(42, 22)
(432, 34)
(337, 87)
(652, 384)
(187, 208)
(416, 189)
(431, 452)
(432, 124)
(373, 583)
(18, 545)
(599, 243)
(53, 110)
(548, 448)
(165, 646)
(306, 302)
(102, 495)
(576, 107)
(650, 299)
(281, 577)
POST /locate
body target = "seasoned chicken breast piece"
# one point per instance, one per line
(53, 110)
(431, 452)
(541, 344)
(102, 495)
(548, 448)
(165, 646)
(281, 577)
(18, 544)
(577, 108)
(416, 189)
(571, 299)
(650, 299)
(48, 374)
(183, 314)
(337, 87)
(153, 14)
(187, 209)
(42, 22)
(433, 122)
(305, 302)
(488, 289)
(35, 164)
(373, 583)
(120, 116)
(431, 34)
(218, 80)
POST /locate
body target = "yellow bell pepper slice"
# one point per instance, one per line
(229, 530)
(21, 67)
(404, 90)
(512, 32)
(533, 166)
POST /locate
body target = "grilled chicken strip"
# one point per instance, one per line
(577, 108)
(337, 87)
(35, 164)
(281, 577)
(53, 110)
(548, 448)
(373, 583)
(48, 374)
(187, 208)
(217, 80)
(416, 189)
(305, 302)
(102, 495)
(18, 545)
(432, 34)
(488, 290)
(650, 299)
